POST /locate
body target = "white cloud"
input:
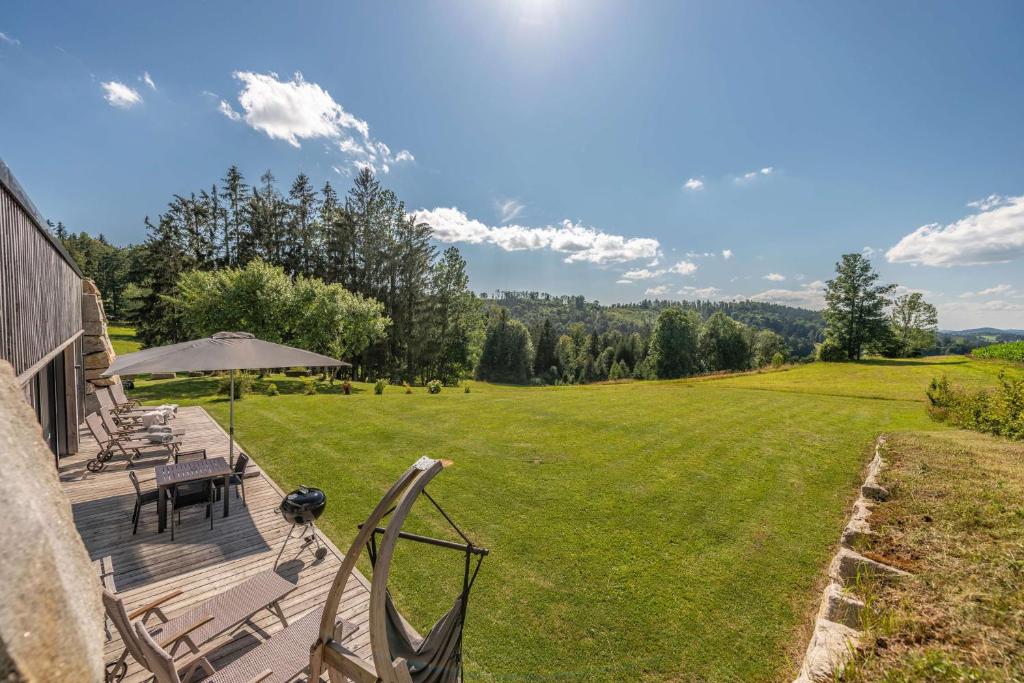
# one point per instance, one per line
(994, 235)
(642, 274)
(775, 277)
(750, 175)
(694, 184)
(869, 251)
(10, 40)
(989, 202)
(810, 295)
(509, 210)
(120, 95)
(684, 268)
(298, 110)
(148, 80)
(700, 292)
(623, 282)
(997, 289)
(579, 242)
(660, 290)
(903, 290)
(228, 111)
(727, 254)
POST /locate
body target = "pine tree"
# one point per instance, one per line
(855, 305)
(545, 358)
(235, 195)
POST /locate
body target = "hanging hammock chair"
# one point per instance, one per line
(399, 655)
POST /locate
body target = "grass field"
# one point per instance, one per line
(123, 339)
(640, 531)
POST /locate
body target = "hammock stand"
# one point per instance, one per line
(398, 654)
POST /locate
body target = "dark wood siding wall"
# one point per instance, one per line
(40, 291)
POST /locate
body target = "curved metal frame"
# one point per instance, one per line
(326, 653)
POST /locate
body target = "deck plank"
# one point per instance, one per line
(201, 562)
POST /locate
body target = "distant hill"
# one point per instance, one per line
(801, 328)
(987, 331)
(964, 341)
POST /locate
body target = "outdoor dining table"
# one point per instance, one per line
(183, 473)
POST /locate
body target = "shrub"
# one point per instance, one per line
(346, 387)
(270, 389)
(378, 386)
(243, 385)
(433, 386)
(1011, 351)
(998, 411)
(830, 351)
(408, 389)
(778, 360)
(465, 388)
(309, 387)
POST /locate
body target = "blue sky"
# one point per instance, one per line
(619, 150)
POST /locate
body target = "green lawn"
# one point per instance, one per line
(123, 339)
(648, 530)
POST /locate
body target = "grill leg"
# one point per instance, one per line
(284, 545)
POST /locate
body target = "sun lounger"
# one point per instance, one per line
(126, 444)
(199, 625)
(277, 660)
(134, 431)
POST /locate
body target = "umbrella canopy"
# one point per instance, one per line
(223, 351)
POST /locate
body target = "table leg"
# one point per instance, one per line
(161, 509)
(227, 492)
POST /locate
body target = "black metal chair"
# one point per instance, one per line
(189, 495)
(237, 478)
(141, 499)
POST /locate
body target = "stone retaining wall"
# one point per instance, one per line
(97, 351)
(837, 628)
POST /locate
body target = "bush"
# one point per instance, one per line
(243, 385)
(378, 387)
(434, 386)
(829, 351)
(346, 387)
(1011, 351)
(778, 360)
(998, 411)
(309, 387)
(268, 388)
(465, 388)
(408, 389)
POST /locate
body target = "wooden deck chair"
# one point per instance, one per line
(121, 399)
(122, 415)
(130, 447)
(129, 430)
(398, 654)
(277, 660)
(200, 624)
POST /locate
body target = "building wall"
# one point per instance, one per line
(40, 315)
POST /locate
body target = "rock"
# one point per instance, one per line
(847, 565)
(101, 360)
(874, 492)
(92, 343)
(92, 311)
(831, 647)
(856, 531)
(104, 381)
(51, 617)
(89, 287)
(842, 608)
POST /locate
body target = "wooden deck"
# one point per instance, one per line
(200, 562)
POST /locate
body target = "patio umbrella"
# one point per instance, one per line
(223, 351)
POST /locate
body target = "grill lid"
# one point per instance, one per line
(303, 505)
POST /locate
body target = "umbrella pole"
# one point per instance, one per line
(231, 425)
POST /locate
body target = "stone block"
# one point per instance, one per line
(96, 343)
(89, 287)
(101, 360)
(51, 617)
(104, 381)
(92, 310)
(874, 491)
(831, 647)
(842, 608)
(848, 564)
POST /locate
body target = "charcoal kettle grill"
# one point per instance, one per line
(301, 508)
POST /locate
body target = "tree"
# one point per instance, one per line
(545, 358)
(674, 344)
(507, 353)
(723, 344)
(235, 194)
(456, 323)
(766, 346)
(915, 323)
(261, 299)
(855, 305)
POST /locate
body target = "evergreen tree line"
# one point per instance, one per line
(681, 344)
(365, 242)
